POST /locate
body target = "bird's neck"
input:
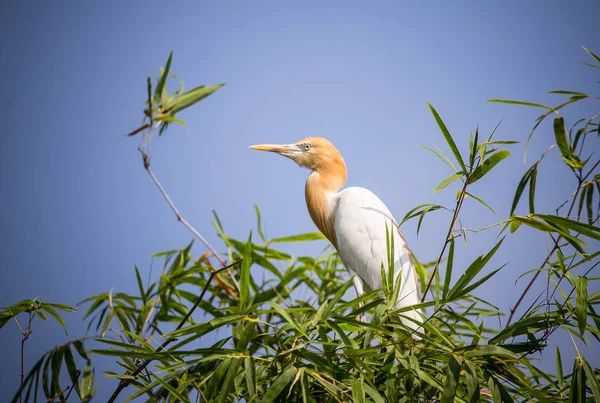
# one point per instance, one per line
(321, 188)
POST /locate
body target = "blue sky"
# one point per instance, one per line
(78, 210)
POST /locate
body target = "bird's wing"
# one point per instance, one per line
(360, 229)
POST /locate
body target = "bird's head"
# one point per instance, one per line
(315, 153)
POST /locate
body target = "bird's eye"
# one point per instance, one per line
(307, 146)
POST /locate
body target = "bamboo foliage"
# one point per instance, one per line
(279, 328)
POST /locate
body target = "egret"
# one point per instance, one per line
(355, 221)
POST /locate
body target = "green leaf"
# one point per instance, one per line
(487, 165)
(472, 380)
(522, 183)
(440, 154)
(448, 181)
(528, 325)
(484, 350)
(280, 383)
(259, 224)
(285, 314)
(140, 284)
(472, 271)
(150, 113)
(191, 97)
(448, 137)
(581, 302)
(532, 184)
(499, 393)
(577, 379)
(448, 275)
(592, 380)
(563, 145)
(358, 392)
(245, 274)
(328, 306)
(582, 228)
(590, 199)
(160, 87)
(309, 236)
(373, 394)
(481, 201)
(250, 371)
(559, 369)
(521, 103)
(589, 52)
(170, 119)
(473, 146)
(71, 368)
(425, 208)
(514, 226)
(56, 316)
(173, 391)
(452, 380)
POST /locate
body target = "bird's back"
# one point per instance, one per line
(360, 220)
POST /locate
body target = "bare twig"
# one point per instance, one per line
(68, 388)
(125, 382)
(180, 218)
(448, 236)
(25, 337)
(547, 259)
(26, 333)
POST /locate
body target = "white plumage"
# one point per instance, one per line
(360, 220)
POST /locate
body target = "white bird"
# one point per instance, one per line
(354, 220)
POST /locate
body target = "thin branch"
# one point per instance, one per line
(448, 236)
(68, 388)
(73, 385)
(180, 218)
(547, 259)
(26, 335)
(125, 382)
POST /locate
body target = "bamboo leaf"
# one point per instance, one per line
(140, 284)
(358, 392)
(448, 275)
(581, 302)
(481, 201)
(589, 52)
(520, 103)
(160, 86)
(280, 383)
(532, 184)
(593, 381)
(420, 210)
(55, 315)
(559, 369)
(170, 119)
(487, 165)
(472, 271)
(309, 236)
(522, 183)
(589, 200)
(441, 156)
(448, 137)
(71, 368)
(448, 181)
(452, 380)
(250, 371)
(582, 228)
(245, 274)
(259, 223)
(560, 135)
(191, 97)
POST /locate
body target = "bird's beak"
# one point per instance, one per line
(287, 150)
